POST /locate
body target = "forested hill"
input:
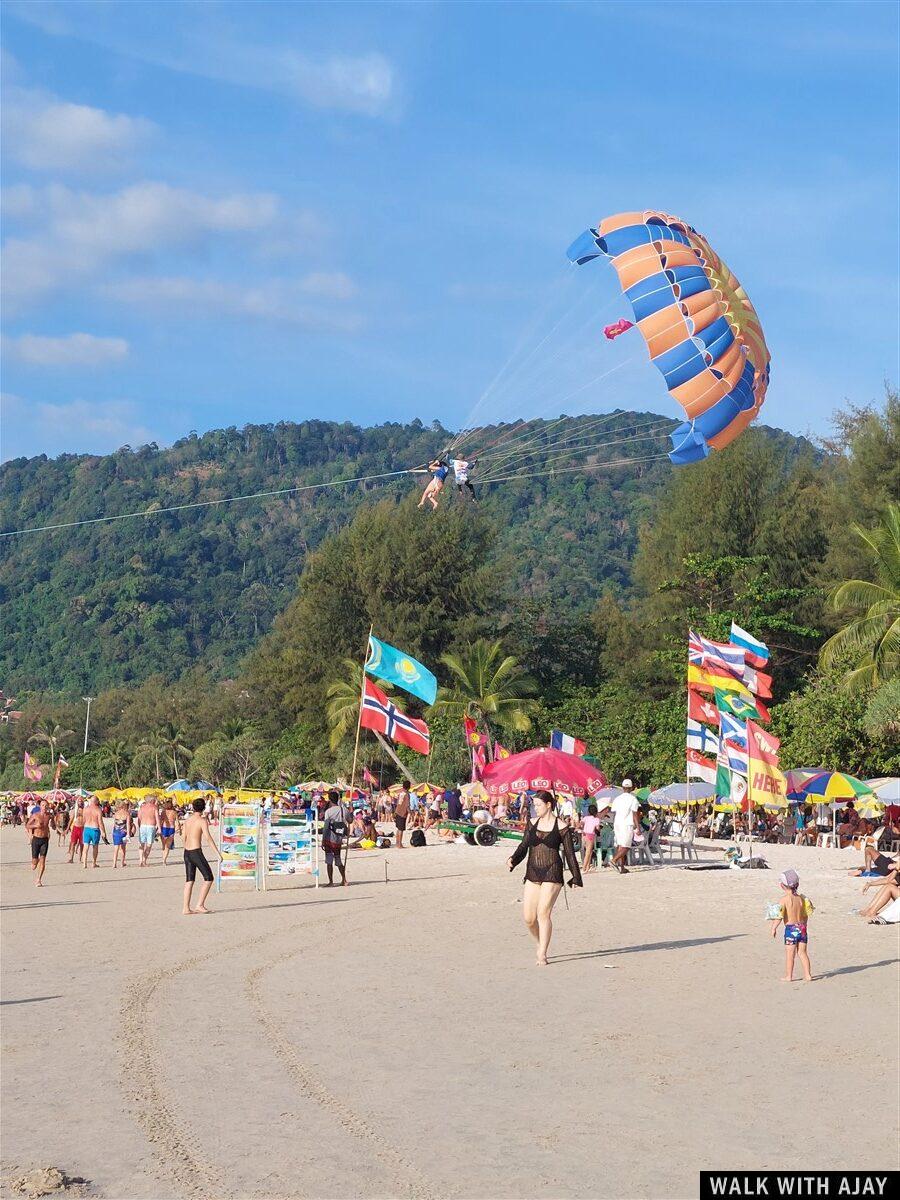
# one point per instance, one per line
(113, 603)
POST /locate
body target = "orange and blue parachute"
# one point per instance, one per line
(699, 325)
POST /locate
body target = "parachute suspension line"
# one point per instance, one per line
(535, 434)
(530, 389)
(620, 462)
(501, 385)
(511, 367)
(588, 443)
(520, 469)
(561, 283)
(154, 512)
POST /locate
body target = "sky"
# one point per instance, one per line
(223, 213)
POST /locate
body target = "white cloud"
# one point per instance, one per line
(362, 84)
(193, 42)
(72, 350)
(84, 233)
(80, 427)
(309, 302)
(45, 133)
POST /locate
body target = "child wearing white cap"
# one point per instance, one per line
(795, 911)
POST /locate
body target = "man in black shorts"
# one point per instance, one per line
(193, 832)
(38, 826)
(334, 834)
(401, 814)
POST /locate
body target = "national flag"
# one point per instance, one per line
(762, 744)
(473, 736)
(699, 767)
(739, 791)
(392, 665)
(702, 739)
(381, 714)
(569, 745)
(736, 759)
(723, 782)
(701, 709)
(739, 705)
(756, 653)
(479, 762)
(715, 656)
(32, 769)
(500, 752)
(765, 776)
(759, 683)
(368, 777)
(734, 730)
(712, 679)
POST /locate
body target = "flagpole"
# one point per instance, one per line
(362, 696)
(750, 802)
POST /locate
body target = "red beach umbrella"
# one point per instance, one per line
(543, 769)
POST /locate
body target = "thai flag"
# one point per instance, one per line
(569, 745)
(756, 653)
(702, 739)
(381, 714)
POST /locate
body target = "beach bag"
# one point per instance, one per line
(417, 837)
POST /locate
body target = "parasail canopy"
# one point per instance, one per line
(701, 330)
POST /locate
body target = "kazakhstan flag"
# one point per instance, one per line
(388, 663)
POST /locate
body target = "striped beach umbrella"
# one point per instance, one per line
(828, 786)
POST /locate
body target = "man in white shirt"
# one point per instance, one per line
(626, 810)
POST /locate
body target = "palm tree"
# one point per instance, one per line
(489, 686)
(50, 734)
(115, 752)
(233, 727)
(172, 739)
(153, 747)
(342, 710)
(872, 638)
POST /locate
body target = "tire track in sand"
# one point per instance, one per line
(196, 1178)
(410, 1180)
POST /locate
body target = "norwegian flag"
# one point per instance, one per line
(385, 717)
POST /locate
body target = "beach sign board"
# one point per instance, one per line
(291, 847)
(239, 844)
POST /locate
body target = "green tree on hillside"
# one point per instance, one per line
(872, 638)
(50, 733)
(489, 686)
(425, 581)
(116, 753)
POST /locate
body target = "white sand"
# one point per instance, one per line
(396, 1041)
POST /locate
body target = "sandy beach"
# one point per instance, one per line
(397, 1041)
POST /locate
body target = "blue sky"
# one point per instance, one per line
(225, 213)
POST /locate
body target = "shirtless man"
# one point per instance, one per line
(38, 827)
(148, 826)
(168, 823)
(193, 831)
(76, 835)
(94, 829)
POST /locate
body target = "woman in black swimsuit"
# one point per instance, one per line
(545, 840)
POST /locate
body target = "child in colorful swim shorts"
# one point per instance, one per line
(794, 911)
